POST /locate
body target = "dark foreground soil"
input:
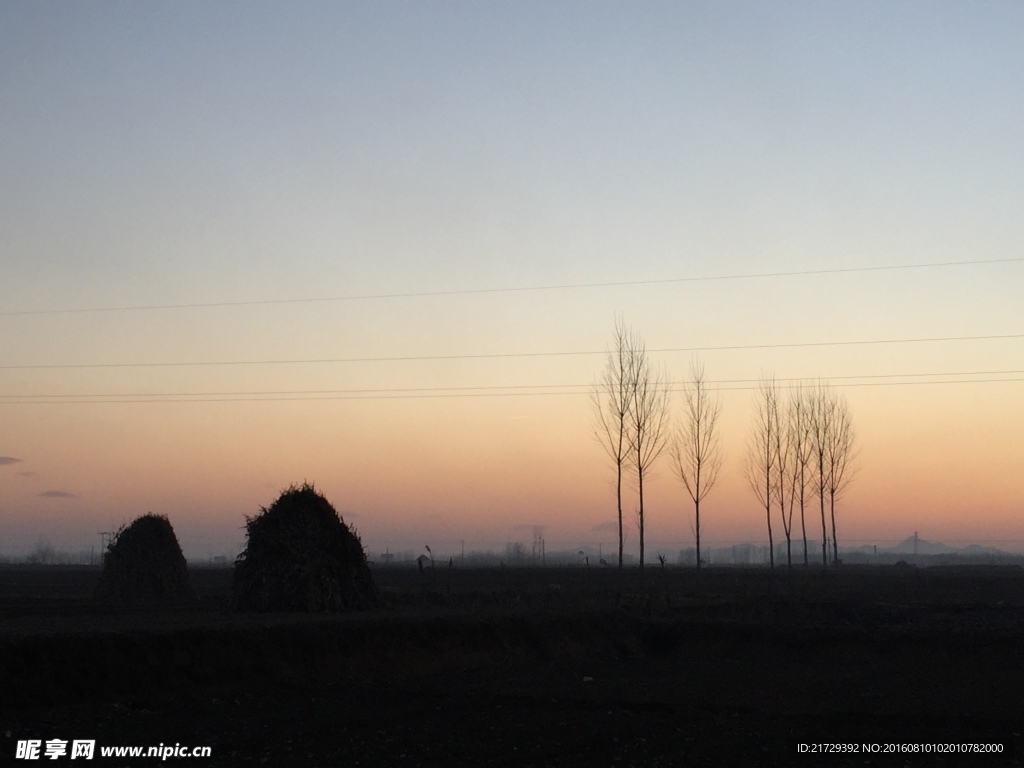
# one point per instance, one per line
(539, 668)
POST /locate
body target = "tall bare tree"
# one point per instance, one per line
(696, 451)
(821, 412)
(839, 455)
(759, 469)
(783, 488)
(612, 398)
(798, 422)
(648, 421)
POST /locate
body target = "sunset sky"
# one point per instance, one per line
(381, 247)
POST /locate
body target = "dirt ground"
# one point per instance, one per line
(534, 668)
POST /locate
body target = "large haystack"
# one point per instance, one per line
(144, 563)
(300, 556)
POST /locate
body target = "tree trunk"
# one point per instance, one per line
(824, 532)
(618, 498)
(803, 527)
(640, 484)
(696, 507)
(835, 543)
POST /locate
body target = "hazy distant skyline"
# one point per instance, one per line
(198, 154)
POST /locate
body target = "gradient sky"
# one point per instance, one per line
(234, 153)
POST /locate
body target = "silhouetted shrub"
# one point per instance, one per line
(144, 563)
(300, 556)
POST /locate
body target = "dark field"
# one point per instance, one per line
(531, 667)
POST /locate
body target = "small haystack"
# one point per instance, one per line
(300, 556)
(144, 563)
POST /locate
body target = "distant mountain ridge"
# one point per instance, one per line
(916, 545)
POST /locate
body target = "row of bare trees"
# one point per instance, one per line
(800, 446)
(631, 404)
(633, 424)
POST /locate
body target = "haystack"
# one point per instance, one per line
(144, 563)
(301, 556)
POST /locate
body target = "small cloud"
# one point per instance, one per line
(26, 474)
(57, 495)
(611, 526)
(4, 460)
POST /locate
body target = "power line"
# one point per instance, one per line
(501, 355)
(502, 389)
(7, 399)
(517, 289)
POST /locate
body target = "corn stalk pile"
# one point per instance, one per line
(144, 563)
(301, 556)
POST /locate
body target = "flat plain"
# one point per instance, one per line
(534, 666)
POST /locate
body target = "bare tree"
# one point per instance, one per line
(648, 420)
(839, 455)
(783, 486)
(798, 423)
(761, 452)
(820, 411)
(695, 449)
(612, 398)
